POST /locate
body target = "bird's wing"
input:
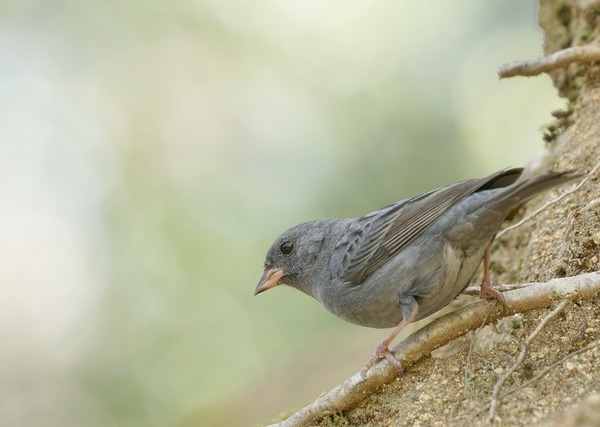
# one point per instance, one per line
(376, 237)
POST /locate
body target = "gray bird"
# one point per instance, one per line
(405, 261)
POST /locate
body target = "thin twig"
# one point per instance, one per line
(551, 202)
(562, 58)
(474, 415)
(549, 368)
(513, 368)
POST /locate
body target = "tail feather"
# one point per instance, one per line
(530, 188)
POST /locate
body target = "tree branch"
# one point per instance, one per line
(560, 59)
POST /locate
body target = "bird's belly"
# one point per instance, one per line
(434, 281)
(381, 310)
(457, 275)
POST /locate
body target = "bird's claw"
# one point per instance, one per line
(381, 351)
(487, 289)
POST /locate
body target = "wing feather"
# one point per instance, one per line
(376, 237)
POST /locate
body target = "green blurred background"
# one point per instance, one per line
(151, 151)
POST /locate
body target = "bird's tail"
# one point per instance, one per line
(531, 187)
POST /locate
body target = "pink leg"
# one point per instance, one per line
(486, 284)
(383, 350)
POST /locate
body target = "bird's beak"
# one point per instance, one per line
(269, 279)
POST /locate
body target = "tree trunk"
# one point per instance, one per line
(574, 141)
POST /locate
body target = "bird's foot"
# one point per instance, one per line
(487, 289)
(381, 351)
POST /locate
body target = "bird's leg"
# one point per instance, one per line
(409, 308)
(486, 284)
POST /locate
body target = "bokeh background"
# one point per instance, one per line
(150, 152)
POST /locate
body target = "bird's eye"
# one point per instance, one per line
(286, 248)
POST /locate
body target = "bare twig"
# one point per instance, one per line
(550, 203)
(520, 358)
(438, 333)
(549, 368)
(562, 58)
(475, 414)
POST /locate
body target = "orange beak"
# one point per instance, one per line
(269, 279)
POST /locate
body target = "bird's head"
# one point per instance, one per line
(297, 258)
